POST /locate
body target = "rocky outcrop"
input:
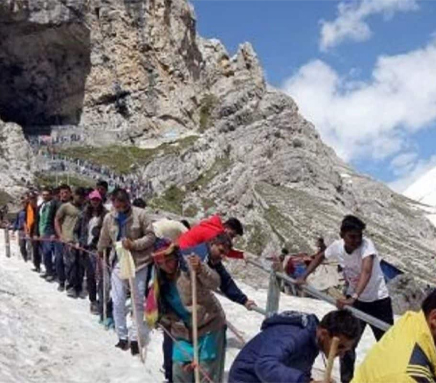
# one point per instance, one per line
(136, 72)
(16, 162)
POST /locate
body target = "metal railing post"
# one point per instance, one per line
(7, 243)
(273, 297)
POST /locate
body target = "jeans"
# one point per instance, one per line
(36, 254)
(381, 309)
(23, 246)
(47, 249)
(119, 297)
(59, 260)
(91, 284)
(74, 268)
(102, 295)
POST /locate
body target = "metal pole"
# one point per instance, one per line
(7, 243)
(253, 308)
(357, 313)
(318, 294)
(195, 325)
(259, 310)
(273, 297)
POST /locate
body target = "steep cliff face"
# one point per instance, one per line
(135, 71)
(128, 69)
(16, 165)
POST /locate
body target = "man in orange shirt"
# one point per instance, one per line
(29, 228)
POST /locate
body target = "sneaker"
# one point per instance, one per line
(122, 344)
(50, 278)
(134, 347)
(93, 307)
(71, 293)
(109, 324)
(61, 287)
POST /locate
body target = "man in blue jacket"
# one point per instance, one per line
(19, 225)
(286, 348)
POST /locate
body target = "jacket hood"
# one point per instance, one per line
(292, 318)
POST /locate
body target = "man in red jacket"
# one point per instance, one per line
(210, 228)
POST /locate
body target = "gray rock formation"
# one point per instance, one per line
(406, 294)
(135, 71)
(16, 165)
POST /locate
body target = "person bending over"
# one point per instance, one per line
(286, 348)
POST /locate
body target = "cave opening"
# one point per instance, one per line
(43, 71)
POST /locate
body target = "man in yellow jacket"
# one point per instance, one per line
(407, 352)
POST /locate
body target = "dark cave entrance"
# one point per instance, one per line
(43, 71)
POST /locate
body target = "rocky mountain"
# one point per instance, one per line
(16, 165)
(203, 126)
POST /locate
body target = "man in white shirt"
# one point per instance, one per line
(366, 286)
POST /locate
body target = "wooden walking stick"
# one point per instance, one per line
(135, 312)
(195, 324)
(332, 355)
(7, 243)
(104, 270)
(235, 331)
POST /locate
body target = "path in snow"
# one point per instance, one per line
(46, 337)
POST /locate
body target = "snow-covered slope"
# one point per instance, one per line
(424, 189)
(46, 337)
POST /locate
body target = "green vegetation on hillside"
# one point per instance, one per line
(257, 239)
(121, 159)
(191, 211)
(208, 104)
(171, 200)
(220, 165)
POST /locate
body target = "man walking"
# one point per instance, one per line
(64, 196)
(45, 231)
(19, 225)
(30, 230)
(65, 223)
(131, 226)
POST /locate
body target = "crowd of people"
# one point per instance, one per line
(131, 182)
(78, 239)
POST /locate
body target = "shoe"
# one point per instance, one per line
(134, 347)
(109, 324)
(71, 293)
(82, 294)
(50, 278)
(43, 276)
(93, 307)
(36, 270)
(61, 287)
(122, 344)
